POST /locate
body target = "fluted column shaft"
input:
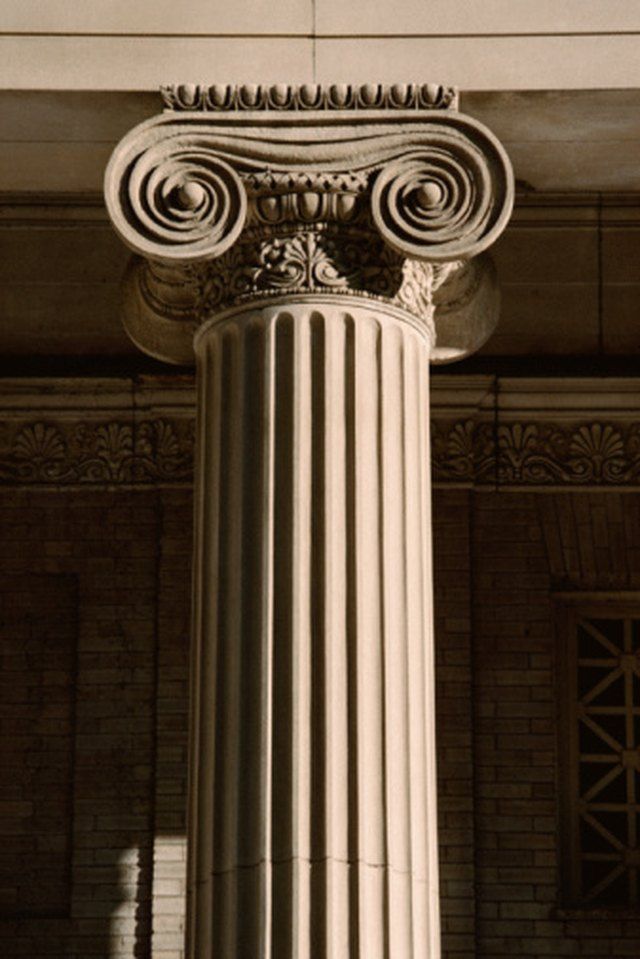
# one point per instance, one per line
(312, 827)
(322, 244)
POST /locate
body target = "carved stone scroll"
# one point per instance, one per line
(237, 195)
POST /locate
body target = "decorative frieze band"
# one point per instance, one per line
(309, 96)
(533, 435)
(536, 454)
(101, 453)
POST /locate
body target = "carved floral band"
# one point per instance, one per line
(526, 454)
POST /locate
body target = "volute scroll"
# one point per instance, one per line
(386, 197)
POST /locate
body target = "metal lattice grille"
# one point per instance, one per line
(605, 760)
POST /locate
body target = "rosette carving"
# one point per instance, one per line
(446, 201)
(184, 204)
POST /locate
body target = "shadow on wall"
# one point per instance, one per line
(94, 635)
(94, 625)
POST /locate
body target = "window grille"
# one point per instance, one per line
(603, 757)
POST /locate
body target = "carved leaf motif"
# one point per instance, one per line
(597, 451)
(40, 451)
(416, 291)
(597, 440)
(162, 452)
(306, 261)
(526, 455)
(114, 442)
(39, 443)
(633, 444)
(166, 441)
(516, 444)
(529, 453)
(460, 450)
(283, 264)
(485, 453)
(104, 453)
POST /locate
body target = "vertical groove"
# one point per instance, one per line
(370, 690)
(283, 678)
(230, 664)
(303, 720)
(415, 656)
(312, 831)
(339, 557)
(431, 792)
(353, 846)
(406, 520)
(266, 715)
(207, 512)
(197, 614)
(404, 771)
(383, 571)
(252, 788)
(318, 627)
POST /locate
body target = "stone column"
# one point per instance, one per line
(313, 250)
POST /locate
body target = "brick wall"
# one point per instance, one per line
(515, 738)
(452, 584)
(92, 678)
(174, 607)
(37, 713)
(519, 541)
(95, 638)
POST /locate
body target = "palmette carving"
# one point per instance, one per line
(520, 454)
(98, 453)
(537, 454)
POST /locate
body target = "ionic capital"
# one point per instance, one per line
(237, 195)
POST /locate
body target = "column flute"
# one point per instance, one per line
(311, 250)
